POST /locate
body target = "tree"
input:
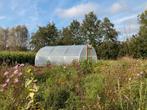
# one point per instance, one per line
(138, 43)
(3, 38)
(66, 37)
(109, 46)
(12, 39)
(108, 50)
(44, 36)
(90, 29)
(143, 24)
(71, 34)
(74, 28)
(22, 34)
(108, 31)
(17, 38)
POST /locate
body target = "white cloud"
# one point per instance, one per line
(145, 6)
(127, 26)
(76, 11)
(126, 18)
(2, 17)
(117, 7)
(28, 12)
(128, 30)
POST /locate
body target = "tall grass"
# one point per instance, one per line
(105, 85)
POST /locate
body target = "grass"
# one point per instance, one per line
(107, 85)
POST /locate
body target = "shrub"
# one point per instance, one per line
(86, 67)
(12, 58)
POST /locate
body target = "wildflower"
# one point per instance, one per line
(6, 73)
(129, 79)
(141, 73)
(1, 90)
(16, 72)
(12, 75)
(138, 74)
(7, 81)
(4, 85)
(98, 97)
(16, 80)
(20, 73)
(29, 70)
(31, 95)
(64, 67)
(16, 67)
(21, 65)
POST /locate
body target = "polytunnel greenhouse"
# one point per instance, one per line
(59, 55)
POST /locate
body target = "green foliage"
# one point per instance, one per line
(90, 29)
(105, 85)
(16, 57)
(31, 90)
(108, 31)
(136, 46)
(71, 34)
(86, 67)
(66, 38)
(93, 84)
(108, 50)
(44, 36)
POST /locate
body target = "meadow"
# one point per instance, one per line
(106, 85)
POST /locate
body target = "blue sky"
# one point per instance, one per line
(34, 13)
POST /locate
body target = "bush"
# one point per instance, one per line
(86, 67)
(11, 58)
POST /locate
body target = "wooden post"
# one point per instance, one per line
(87, 52)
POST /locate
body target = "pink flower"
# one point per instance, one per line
(16, 80)
(16, 67)
(4, 85)
(21, 65)
(16, 72)
(6, 73)
(12, 75)
(20, 73)
(7, 81)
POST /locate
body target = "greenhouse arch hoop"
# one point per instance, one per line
(59, 55)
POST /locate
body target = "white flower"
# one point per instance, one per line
(141, 73)
(64, 67)
(16, 80)
(138, 74)
(129, 79)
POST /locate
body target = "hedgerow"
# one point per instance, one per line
(15, 57)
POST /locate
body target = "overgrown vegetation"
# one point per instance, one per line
(105, 85)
